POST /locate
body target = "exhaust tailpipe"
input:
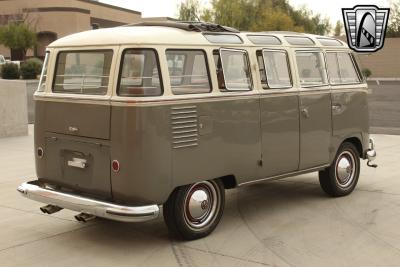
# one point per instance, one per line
(50, 209)
(84, 217)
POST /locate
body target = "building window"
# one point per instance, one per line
(83, 72)
(233, 70)
(140, 73)
(188, 71)
(311, 68)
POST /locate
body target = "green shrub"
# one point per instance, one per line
(366, 72)
(31, 68)
(10, 71)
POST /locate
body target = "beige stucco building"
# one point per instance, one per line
(384, 63)
(52, 19)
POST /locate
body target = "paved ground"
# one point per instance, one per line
(384, 107)
(282, 223)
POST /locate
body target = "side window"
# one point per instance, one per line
(261, 67)
(311, 68)
(333, 68)
(188, 71)
(140, 73)
(348, 73)
(43, 76)
(276, 69)
(344, 72)
(233, 70)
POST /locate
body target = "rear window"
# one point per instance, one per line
(83, 72)
(188, 71)
(140, 73)
(311, 68)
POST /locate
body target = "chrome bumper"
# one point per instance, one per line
(371, 153)
(78, 203)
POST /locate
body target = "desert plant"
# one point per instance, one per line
(31, 68)
(366, 72)
(10, 71)
(16, 35)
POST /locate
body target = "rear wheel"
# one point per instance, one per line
(341, 177)
(193, 211)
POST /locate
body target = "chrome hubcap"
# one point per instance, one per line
(200, 205)
(345, 169)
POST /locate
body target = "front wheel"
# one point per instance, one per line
(341, 177)
(193, 211)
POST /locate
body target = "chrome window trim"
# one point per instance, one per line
(243, 51)
(287, 64)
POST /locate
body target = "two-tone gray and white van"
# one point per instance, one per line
(134, 119)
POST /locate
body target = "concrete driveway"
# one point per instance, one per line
(281, 223)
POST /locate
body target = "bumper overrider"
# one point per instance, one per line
(371, 153)
(34, 191)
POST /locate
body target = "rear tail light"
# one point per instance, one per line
(40, 152)
(115, 165)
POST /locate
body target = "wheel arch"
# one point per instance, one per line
(229, 181)
(357, 143)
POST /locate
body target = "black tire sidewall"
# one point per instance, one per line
(339, 190)
(174, 213)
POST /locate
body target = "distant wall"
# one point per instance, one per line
(13, 108)
(384, 63)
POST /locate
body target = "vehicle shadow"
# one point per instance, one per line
(256, 200)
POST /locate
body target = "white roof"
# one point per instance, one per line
(156, 35)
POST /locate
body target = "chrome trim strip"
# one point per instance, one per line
(183, 146)
(183, 127)
(285, 175)
(185, 131)
(185, 141)
(183, 112)
(95, 207)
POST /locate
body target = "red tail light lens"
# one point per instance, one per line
(115, 165)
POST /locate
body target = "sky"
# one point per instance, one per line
(168, 8)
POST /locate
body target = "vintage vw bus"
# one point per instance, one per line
(137, 118)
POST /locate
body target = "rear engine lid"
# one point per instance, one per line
(79, 119)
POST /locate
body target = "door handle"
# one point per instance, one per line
(337, 107)
(305, 113)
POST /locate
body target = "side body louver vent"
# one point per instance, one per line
(184, 125)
